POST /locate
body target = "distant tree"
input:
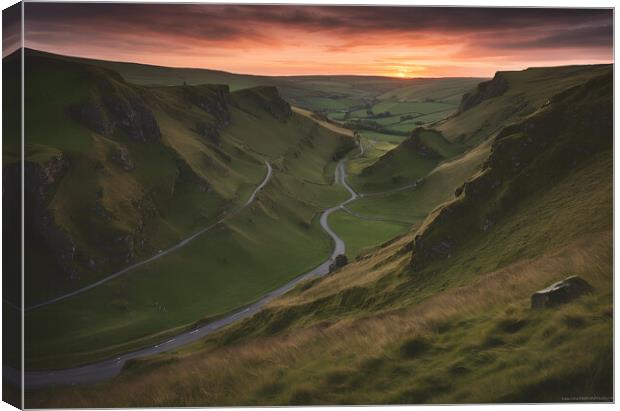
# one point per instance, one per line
(384, 114)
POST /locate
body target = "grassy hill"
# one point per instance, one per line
(509, 96)
(150, 75)
(110, 164)
(457, 146)
(442, 313)
(385, 108)
(407, 163)
(118, 172)
(435, 187)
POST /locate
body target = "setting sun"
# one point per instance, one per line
(402, 74)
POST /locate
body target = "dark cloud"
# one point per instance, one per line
(564, 37)
(298, 39)
(213, 23)
(596, 36)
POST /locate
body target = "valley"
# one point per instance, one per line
(185, 221)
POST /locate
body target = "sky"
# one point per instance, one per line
(297, 39)
(11, 29)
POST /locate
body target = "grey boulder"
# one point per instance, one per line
(561, 292)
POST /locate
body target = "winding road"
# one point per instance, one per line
(162, 253)
(106, 369)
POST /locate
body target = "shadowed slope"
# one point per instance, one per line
(119, 173)
(419, 321)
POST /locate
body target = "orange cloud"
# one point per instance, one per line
(288, 40)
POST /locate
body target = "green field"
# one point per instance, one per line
(373, 150)
(396, 118)
(419, 107)
(361, 234)
(438, 186)
(409, 162)
(397, 112)
(390, 138)
(449, 90)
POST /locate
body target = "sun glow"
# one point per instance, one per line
(298, 40)
(404, 71)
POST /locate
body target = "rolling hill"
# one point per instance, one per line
(442, 312)
(389, 107)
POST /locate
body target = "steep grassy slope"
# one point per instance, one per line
(510, 96)
(441, 314)
(526, 158)
(455, 152)
(415, 203)
(407, 163)
(120, 172)
(109, 164)
(419, 100)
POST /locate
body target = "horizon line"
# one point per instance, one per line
(292, 75)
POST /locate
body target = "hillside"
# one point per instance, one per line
(120, 173)
(442, 313)
(107, 163)
(484, 111)
(509, 96)
(407, 163)
(385, 108)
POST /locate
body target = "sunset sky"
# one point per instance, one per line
(287, 40)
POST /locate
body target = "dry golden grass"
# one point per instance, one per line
(326, 124)
(244, 373)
